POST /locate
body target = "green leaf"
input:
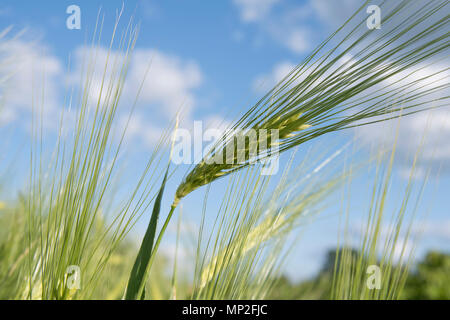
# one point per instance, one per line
(140, 269)
(143, 293)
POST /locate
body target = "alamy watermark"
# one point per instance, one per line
(374, 278)
(374, 20)
(74, 19)
(73, 277)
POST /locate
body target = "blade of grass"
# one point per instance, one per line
(138, 276)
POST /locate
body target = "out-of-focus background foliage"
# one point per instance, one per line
(428, 279)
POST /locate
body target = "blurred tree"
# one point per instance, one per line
(330, 260)
(431, 279)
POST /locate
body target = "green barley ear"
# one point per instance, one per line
(330, 92)
(267, 140)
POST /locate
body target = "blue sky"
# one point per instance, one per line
(216, 57)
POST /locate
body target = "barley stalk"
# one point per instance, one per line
(327, 93)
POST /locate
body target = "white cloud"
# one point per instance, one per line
(298, 40)
(168, 87)
(31, 74)
(402, 250)
(216, 121)
(439, 229)
(289, 24)
(188, 228)
(433, 126)
(7, 115)
(254, 10)
(264, 83)
(285, 28)
(184, 257)
(169, 83)
(139, 129)
(97, 70)
(425, 133)
(334, 12)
